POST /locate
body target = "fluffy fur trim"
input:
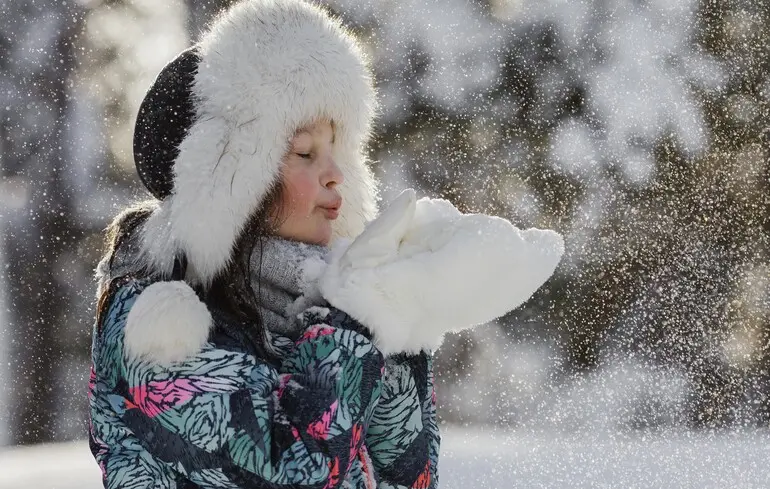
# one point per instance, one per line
(166, 324)
(267, 68)
(422, 269)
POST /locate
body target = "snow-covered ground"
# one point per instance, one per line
(472, 459)
(499, 460)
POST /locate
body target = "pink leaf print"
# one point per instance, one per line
(366, 463)
(334, 473)
(156, 397)
(92, 382)
(316, 331)
(320, 429)
(423, 481)
(355, 442)
(295, 434)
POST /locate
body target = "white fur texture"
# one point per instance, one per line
(166, 324)
(268, 67)
(422, 268)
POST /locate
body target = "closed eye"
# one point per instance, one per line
(304, 155)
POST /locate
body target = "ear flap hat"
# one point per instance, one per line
(211, 134)
(213, 129)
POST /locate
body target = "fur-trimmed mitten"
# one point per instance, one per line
(423, 268)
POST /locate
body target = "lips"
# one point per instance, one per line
(332, 209)
(330, 212)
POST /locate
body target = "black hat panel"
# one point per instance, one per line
(166, 114)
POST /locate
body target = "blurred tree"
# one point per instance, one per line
(72, 82)
(634, 128)
(37, 60)
(730, 197)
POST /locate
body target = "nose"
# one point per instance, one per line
(333, 175)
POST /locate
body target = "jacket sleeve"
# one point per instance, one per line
(225, 419)
(403, 437)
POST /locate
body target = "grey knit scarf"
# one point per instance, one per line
(284, 275)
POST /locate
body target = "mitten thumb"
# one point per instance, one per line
(380, 240)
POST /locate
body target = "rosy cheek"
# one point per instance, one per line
(306, 194)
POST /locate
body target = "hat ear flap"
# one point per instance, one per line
(166, 114)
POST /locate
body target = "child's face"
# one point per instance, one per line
(310, 201)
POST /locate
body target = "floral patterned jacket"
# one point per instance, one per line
(332, 412)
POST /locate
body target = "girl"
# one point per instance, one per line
(255, 326)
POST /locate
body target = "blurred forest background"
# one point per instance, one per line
(637, 128)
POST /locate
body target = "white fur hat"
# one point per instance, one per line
(263, 69)
(209, 140)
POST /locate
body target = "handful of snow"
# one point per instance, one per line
(423, 268)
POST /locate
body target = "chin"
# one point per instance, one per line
(325, 239)
(319, 234)
(321, 237)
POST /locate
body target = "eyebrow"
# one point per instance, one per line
(305, 131)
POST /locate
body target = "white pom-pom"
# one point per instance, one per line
(166, 324)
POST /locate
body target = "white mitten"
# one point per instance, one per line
(422, 268)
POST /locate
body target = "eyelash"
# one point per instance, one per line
(304, 155)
